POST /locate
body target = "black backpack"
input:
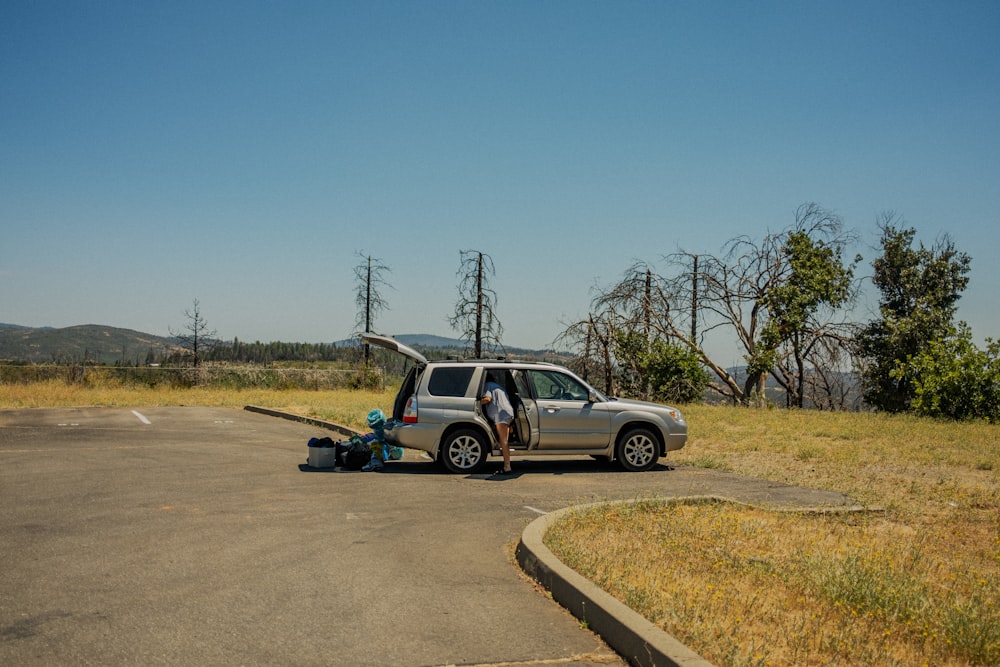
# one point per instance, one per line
(354, 454)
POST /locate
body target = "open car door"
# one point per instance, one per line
(526, 419)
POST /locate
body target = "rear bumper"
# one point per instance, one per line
(424, 437)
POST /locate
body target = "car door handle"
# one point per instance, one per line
(551, 409)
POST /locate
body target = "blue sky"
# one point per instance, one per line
(244, 153)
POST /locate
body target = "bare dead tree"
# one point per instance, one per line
(578, 336)
(594, 336)
(634, 304)
(781, 298)
(195, 337)
(475, 316)
(371, 283)
(833, 383)
(645, 301)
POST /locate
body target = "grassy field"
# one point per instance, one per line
(343, 406)
(915, 583)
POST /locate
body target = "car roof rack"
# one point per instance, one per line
(497, 360)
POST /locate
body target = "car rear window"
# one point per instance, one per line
(450, 381)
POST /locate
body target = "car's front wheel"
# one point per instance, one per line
(464, 451)
(637, 450)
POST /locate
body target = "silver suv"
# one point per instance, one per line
(438, 410)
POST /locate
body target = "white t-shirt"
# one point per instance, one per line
(499, 408)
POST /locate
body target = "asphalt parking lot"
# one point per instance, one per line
(191, 535)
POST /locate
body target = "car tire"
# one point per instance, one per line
(464, 452)
(637, 450)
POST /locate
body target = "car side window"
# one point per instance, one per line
(557, 386)
(450, 381)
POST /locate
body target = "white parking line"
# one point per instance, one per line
(535, 509)
(141, 417)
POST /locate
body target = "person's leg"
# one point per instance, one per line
(503, 432)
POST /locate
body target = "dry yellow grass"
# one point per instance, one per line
(343, 406)
(916, 584)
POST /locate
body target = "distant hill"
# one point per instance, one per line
(98, 343)
(429, 340)
(108, 345)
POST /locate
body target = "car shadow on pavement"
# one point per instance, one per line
(557, 466)
(390, 467)
(521, 468)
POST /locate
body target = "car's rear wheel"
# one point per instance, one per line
(637, 450)
(464, 451)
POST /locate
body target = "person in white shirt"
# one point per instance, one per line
(498, 408)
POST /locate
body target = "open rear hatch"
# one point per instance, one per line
(394, 345)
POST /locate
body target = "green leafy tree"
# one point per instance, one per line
(782, 298)
(920, 289)
(817, 281)
(953, 378)
(659, 370)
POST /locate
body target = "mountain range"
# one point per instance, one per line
(91, 342)
(106, 344)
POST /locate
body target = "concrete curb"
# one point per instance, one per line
(342, 430)
(633, 637)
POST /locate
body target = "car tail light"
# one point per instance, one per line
(410, 411)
